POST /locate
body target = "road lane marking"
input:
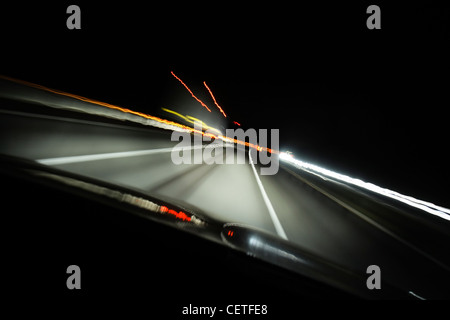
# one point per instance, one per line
(111, 155)
(276, 222)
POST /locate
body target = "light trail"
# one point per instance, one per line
(200, 101)
(212, 96)
(180, 215)
(139, 114)
(96, 102)
(191, 119)
(429, 207)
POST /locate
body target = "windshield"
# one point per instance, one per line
(233, 178)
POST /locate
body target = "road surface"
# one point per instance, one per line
(282, 204)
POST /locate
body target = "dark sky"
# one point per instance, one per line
(371, 103)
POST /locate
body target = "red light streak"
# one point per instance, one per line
(212, 96)
(140, 114)
(180, 215)
(200, 101)
(237, 123)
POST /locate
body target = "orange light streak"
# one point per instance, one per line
(99, 103)
(212, 96)
(112, 106)
(200, 101)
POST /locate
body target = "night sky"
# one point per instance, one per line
(369, 103)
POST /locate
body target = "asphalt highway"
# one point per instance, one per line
(282, 204)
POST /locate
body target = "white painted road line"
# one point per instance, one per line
(112, 155)
(276, 222)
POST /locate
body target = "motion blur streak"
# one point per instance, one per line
(170, 125)
(107, 192)
(212, 96)
(96, 102)
(237, 123)
(200, 101)
(180, 215)
(122, 197)
(191, 119)
(416, 295)
(429, 207)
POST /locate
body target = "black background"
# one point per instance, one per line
(369, 103)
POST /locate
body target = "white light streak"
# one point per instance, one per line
(429, 207)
